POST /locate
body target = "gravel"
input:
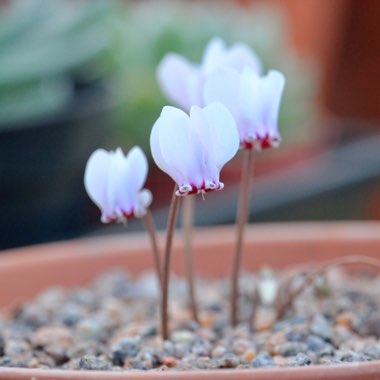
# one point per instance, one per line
(112, 324)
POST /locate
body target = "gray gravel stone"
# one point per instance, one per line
(321, 326)
(291, 349)
(373, 352)
(182, 336)
(319, 345)
(94, 363)
(300, 360)
(90, 328)
(263, 360)
(127, 348)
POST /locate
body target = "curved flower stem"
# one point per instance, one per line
(310, 277)
(187, 222)
(166, 264)
(149, 225)
(241, 220)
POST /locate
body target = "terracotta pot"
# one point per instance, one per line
(26, 271)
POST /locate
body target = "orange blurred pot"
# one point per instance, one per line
(26, 271)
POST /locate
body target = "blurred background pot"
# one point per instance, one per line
(41, 169)
(26, 271)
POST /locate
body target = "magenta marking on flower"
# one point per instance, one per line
(206, 187)
(261, 143)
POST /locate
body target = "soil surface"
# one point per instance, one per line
(112, 324)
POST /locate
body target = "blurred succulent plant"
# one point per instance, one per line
(46, 48)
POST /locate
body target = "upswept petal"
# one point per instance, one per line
(179, 147)
(223, 86)
(213, 55)
(221, 135)
(274, 84)
(138, 164)
(97, 169)
(237, 56)
(250, 96)
(119, 192)
(240, 56)
(259, 99)
(179, 81)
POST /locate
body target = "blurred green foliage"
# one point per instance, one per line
(46, 48)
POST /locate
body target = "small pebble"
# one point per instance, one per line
(89, 328)
(263, 360)
(291, 348)
(94, 363)
(126, 349)
(182, 336)
(300, 360)
(319, 345)
(321, 326)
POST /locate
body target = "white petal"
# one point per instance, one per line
(179, 81)
(118, 192)
(138, 166)
(213, 55)
(144, 201)
(223, 86)
(240, 56)
(250, 96)
(221, 136)
(96, 176)
(252, 110)
(179, 146)
(273, 88)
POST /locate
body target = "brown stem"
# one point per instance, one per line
(242, 218)
(187, 222)
(166, 264)
(149, 225)
(310, 277)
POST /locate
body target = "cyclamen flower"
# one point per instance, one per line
(182, 81)
(114, 183)
(253, 100)
(193, 149)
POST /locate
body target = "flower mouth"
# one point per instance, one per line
(119, 216)
(206, 187)
(260, 143)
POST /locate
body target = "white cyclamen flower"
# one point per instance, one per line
(114, 183)
(254, 102)
(182, 81)
(193, 149)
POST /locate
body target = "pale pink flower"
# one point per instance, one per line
(182, 81)
(254, 102)
(114, 183)
(193, 149)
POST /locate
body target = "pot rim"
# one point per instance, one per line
(362, 371)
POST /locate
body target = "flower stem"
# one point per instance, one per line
(241, 220)
(149, 225)
(166, 265)
(310, 277)
(187, 222)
